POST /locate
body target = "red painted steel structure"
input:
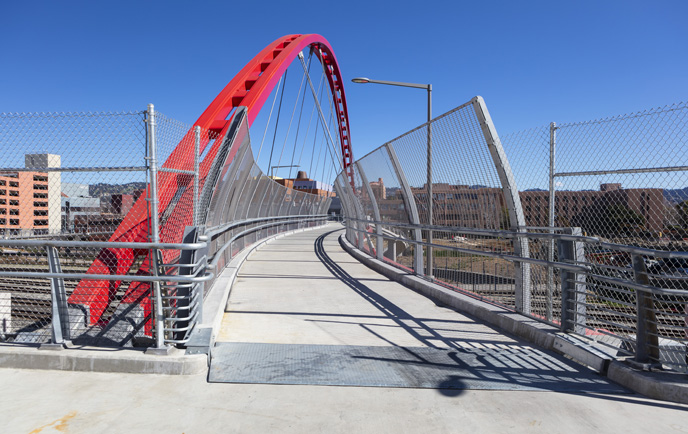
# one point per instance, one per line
(250, 88)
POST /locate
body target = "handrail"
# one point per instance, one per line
(102, 244)
(584, 268)
(509, 234)
(220, 251)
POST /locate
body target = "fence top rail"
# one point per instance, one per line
(101, 244)
(211, 232)
(667, 108)
(207, 275)
(68, 114)
(573, 267)
(76, 169)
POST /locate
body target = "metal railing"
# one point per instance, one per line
(624, 287)
(141, 212)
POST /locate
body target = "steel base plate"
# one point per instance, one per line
(510, 367)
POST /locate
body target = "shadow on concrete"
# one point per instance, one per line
(472, 356)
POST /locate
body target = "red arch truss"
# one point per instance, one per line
(250, 88)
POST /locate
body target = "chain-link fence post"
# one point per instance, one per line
(154, 224)
(573, 293)
(550, 252)
(429, 267)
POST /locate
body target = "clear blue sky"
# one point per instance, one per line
(533, 61)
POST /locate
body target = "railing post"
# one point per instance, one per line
(573, 288)
(646, 338)
(411, 209)
(513, 202)
(550, 252)
(154, 225)
(60, 313)
(379, 243)
(344, 200)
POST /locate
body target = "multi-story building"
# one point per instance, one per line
(30, 200)
(303, 183)
(463, 205)
(54, 189)
(577, 207)
(485, 207)
(24, 203)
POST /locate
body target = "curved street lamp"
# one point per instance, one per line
(428, 87)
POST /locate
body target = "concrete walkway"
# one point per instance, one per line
(329, 309)
(305, 289)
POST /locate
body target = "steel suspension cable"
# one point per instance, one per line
(305, 138)
(279, 110)
(317, 127)
(267, 124)
(291, 120)
(298, 124)
(322, 116)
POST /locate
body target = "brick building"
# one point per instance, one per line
(484, 207)
(303, 183)
(576, 207)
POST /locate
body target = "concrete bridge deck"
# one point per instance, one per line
(304, 295)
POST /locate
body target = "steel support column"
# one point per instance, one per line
(513, 202)
(411, 209)
(379, 241)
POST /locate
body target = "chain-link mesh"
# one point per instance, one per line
(83, 178)
(618, 183)
(467, 193)
(69, 177)
(624, 180)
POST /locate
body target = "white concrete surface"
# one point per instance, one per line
(318, 311)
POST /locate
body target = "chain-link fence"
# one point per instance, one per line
(471, 188)
(593, 239)
(104, 217)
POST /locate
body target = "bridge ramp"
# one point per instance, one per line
(303, 311)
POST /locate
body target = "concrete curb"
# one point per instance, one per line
(102, 360)
(665, 386)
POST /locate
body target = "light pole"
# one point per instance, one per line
(428, 87)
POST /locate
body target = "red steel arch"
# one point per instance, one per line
(250, 88)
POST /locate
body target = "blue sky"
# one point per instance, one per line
(533, 61)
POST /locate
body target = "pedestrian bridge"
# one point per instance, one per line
(176, 237)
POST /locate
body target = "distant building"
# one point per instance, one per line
(30, 201)
(572, 207)
(77, 205)
(485, 207)
(303, 183)
(33, 161)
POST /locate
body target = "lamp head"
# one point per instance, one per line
(361, 80)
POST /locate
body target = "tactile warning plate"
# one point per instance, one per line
(509, 367)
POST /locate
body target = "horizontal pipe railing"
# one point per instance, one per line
(586, 268)
(217, 255)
